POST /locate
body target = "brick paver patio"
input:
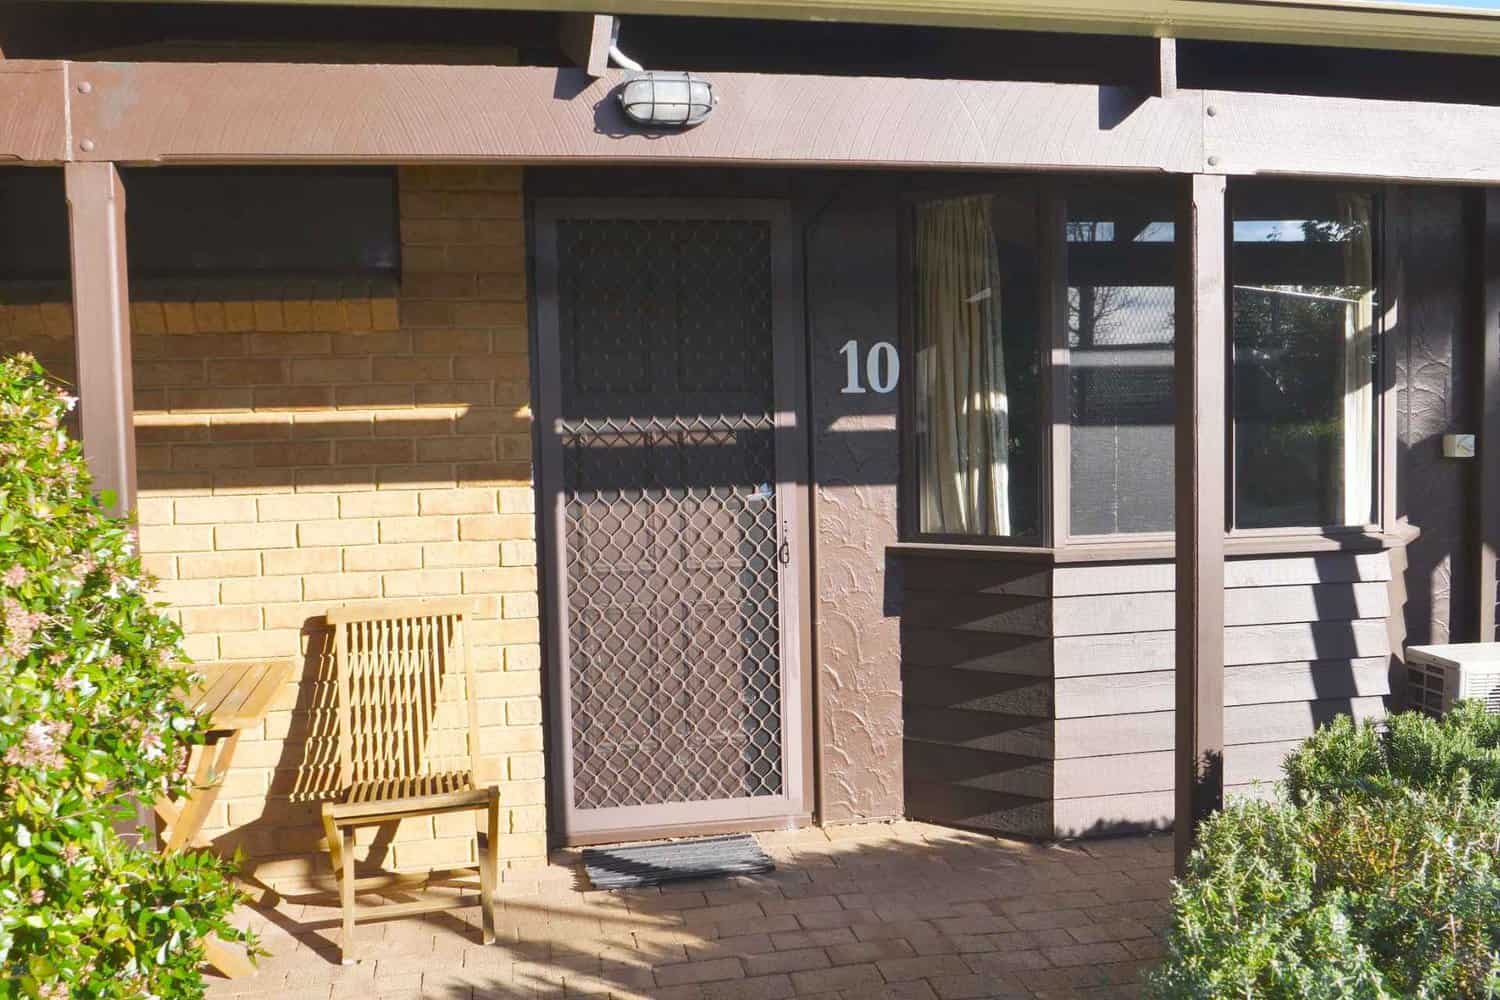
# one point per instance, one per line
(879, 911)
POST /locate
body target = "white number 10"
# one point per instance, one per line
(882, 367)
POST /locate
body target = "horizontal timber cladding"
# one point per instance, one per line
(1039, 699)
(977, 693)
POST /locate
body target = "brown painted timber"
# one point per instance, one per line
(33, 111)
(1392, 140)
(158, 112)
(585, 39)
(276, 112)
(101, 316)
(1200, 488)
(1489, 426)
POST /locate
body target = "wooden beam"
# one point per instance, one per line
(1489, 421)
(1389, 140)
(585, 39)
(1200, 361)
(315, 113)
(33, 111)
(204, 113)
(1166, 67)
(101, 318)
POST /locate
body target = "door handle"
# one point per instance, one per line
(784, 552)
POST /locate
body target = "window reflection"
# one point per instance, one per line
(1121, 305)
(1304, 310)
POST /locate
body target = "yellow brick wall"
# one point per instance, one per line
(301, 445)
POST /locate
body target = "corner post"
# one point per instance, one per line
(1489, 421)
(101, 324)
(1201, 449)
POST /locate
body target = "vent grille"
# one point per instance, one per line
(1434, 687)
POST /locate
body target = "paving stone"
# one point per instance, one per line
(1114, 930)
(730, 947)
(897, 969)
(916, 990)
(700, 972)
(776, 987)
(812, 939)
(835, 918)
(1044, 919)
(843, 977)
(798, 960)
(1006, 962)
(869, 951)
(975, 987)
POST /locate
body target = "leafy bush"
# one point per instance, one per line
(89, 725)
(1379, 877)
(1408, 750)
(1393, 898)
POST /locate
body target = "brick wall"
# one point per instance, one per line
(305, 444)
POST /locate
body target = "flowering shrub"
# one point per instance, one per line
(89, 726)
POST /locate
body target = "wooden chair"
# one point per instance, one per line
(402, 670)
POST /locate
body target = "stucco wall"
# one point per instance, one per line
(1436, 352)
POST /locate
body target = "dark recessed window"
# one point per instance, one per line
(1121, 301)
(1305, 309)
(239, 222)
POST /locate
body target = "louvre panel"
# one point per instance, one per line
(671, 519)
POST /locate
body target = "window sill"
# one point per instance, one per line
(1156, 550)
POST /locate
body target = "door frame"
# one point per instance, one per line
(792, 443)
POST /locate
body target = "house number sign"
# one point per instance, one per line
(882, 367)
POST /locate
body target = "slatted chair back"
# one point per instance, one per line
(408, 720)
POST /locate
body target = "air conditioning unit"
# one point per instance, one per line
(1437, 676)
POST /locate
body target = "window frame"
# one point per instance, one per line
(1383, 266)
(909, 488)
(1061, 362)
(1055, 491)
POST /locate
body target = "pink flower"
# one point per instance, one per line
(53, 991)
(15, 576)
(71, 853)
(151, 744)
(66, 683)
(41, 747)
(20, 626)
(38, 897)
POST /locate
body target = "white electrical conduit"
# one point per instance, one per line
(624, 61)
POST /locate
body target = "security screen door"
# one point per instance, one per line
(672, 469)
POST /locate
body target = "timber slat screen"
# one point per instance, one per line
(408, 744)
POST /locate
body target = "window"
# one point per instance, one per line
(1120, 304)
(978, 428)
(1304, 389)
(231, 222)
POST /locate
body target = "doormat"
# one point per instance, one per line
(653, 864)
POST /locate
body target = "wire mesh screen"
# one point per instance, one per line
(670, 520)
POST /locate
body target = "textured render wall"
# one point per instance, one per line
(1436, 356)
(301, 445)
(853, 267)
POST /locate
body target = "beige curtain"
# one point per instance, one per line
(1359, 348)
(963, 422)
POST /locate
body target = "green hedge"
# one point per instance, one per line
(1377, 877)
(89, 725)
